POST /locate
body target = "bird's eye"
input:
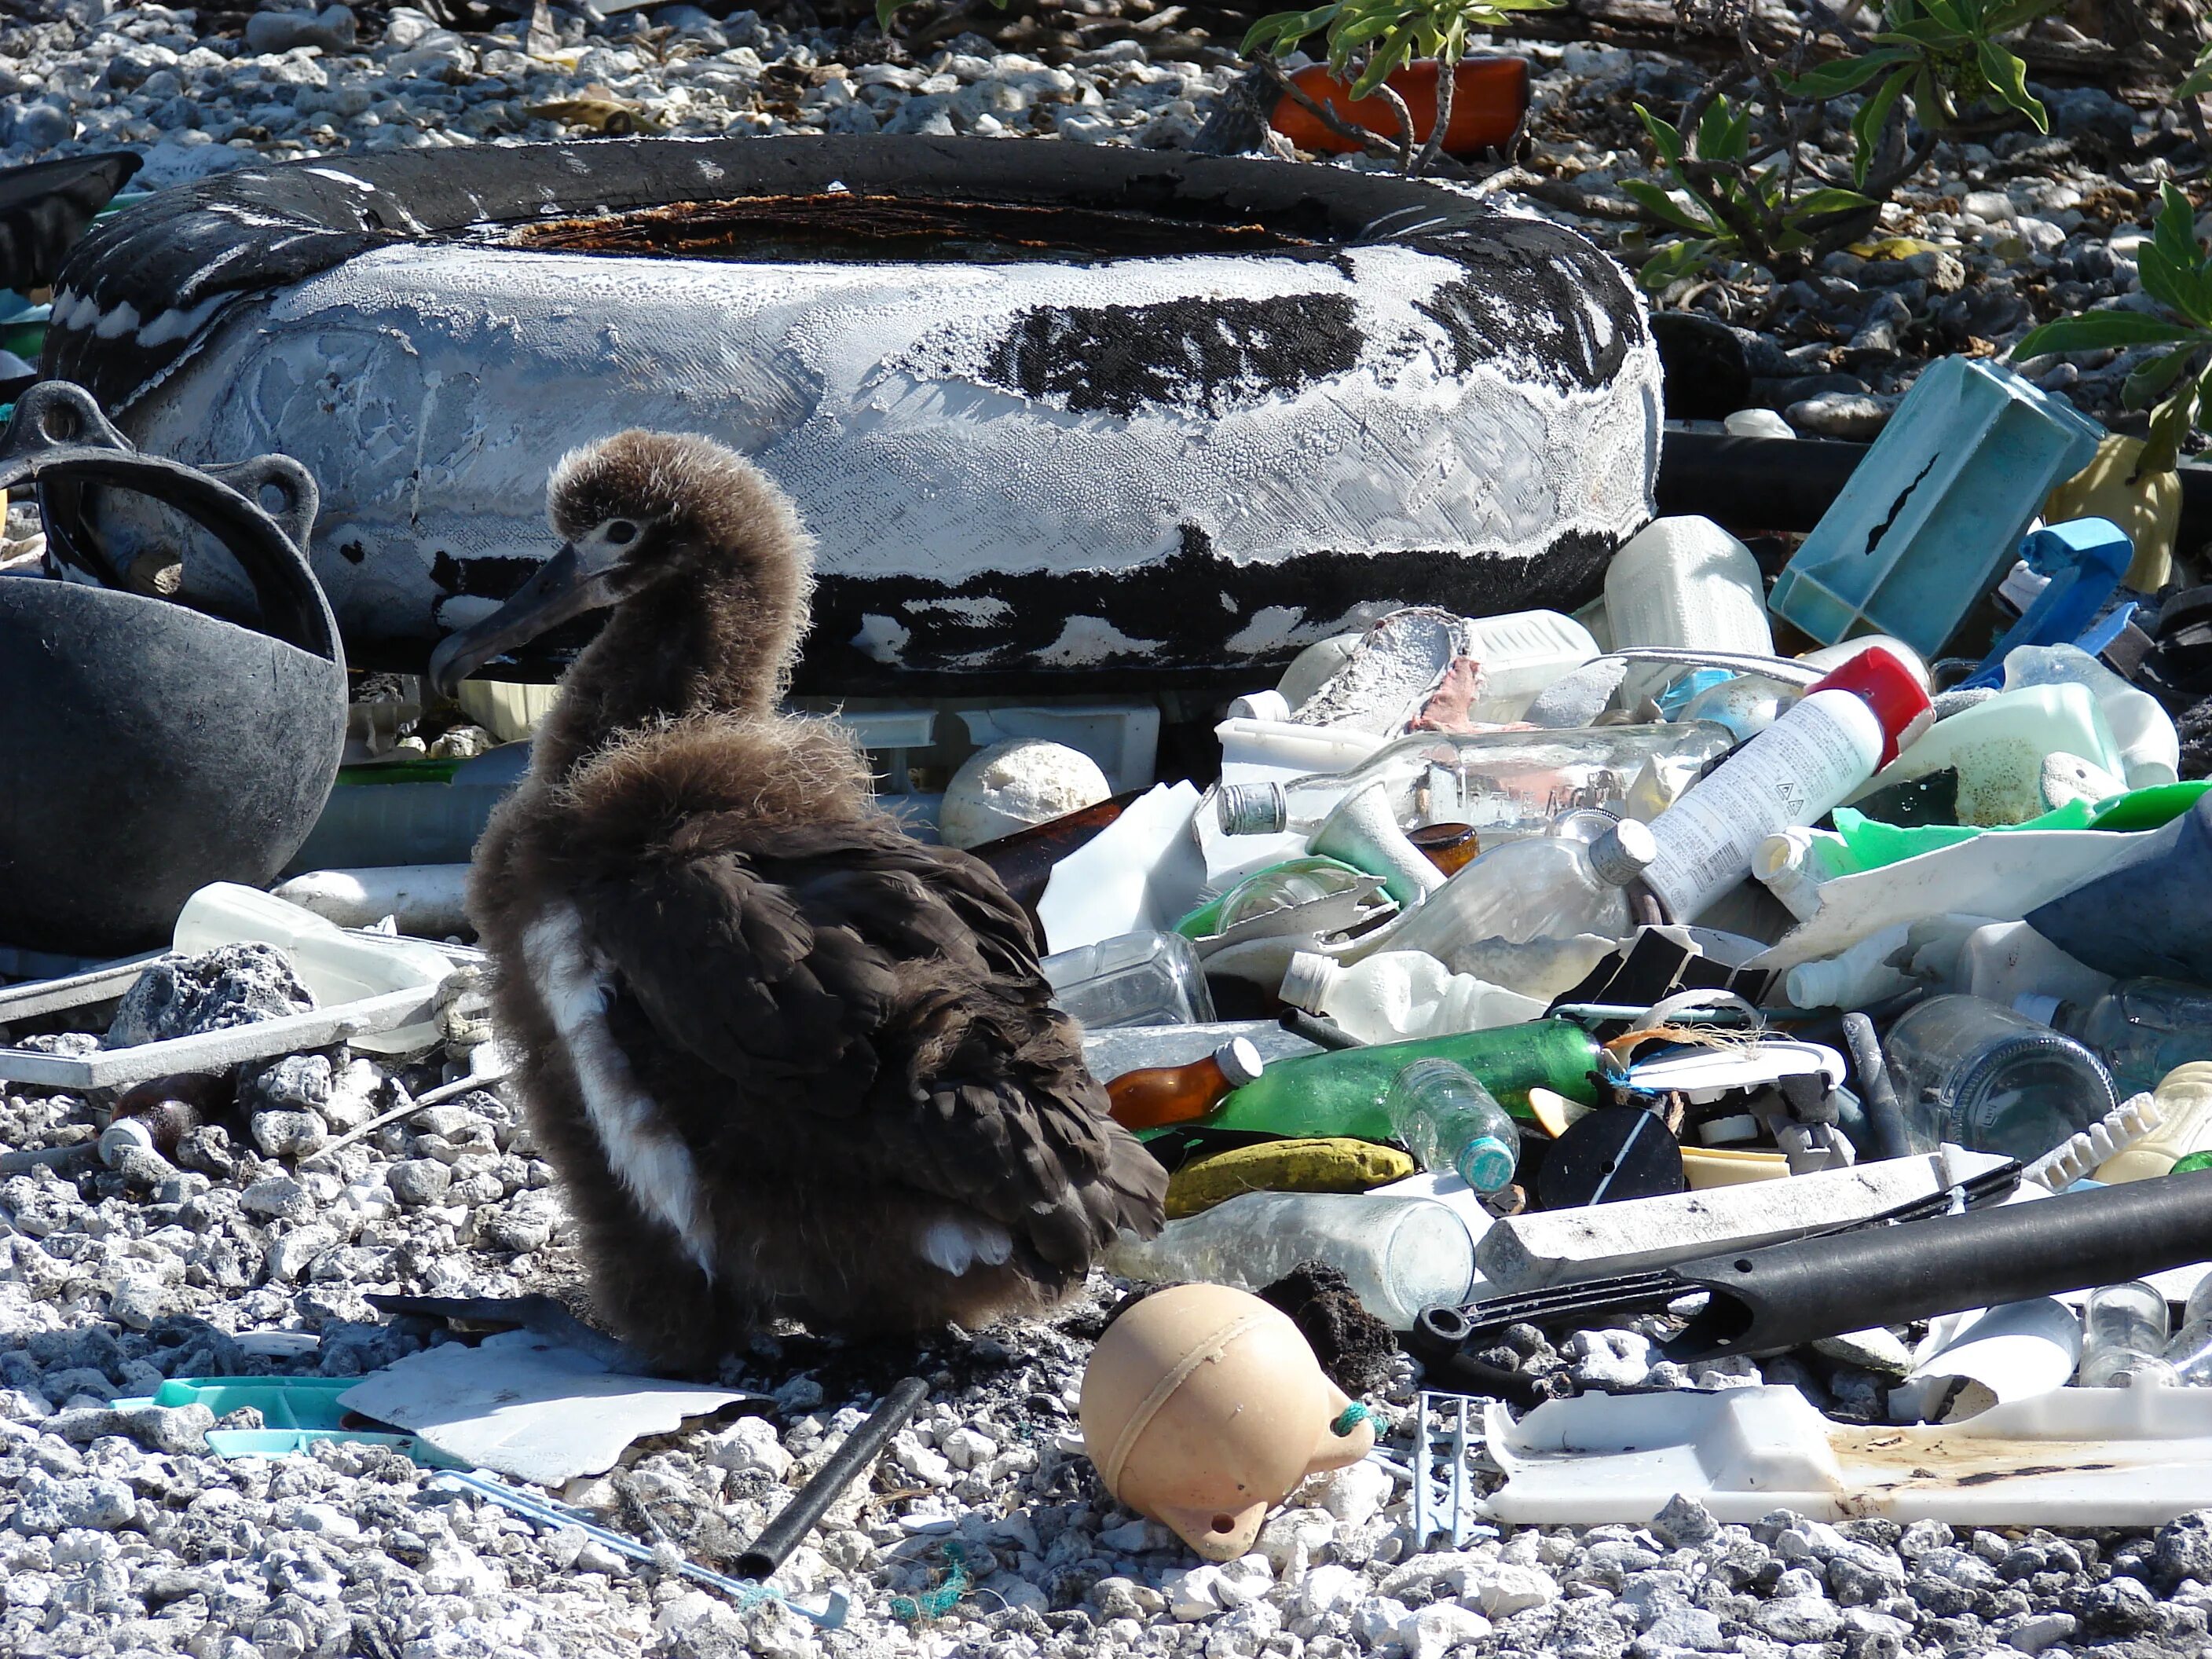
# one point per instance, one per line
(621, 531)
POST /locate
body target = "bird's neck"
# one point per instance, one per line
(718, 644)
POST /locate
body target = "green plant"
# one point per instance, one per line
(1741, 187)
(1368, 40)
(2176, 271)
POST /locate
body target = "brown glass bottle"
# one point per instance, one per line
(1023, 862)
(1159, 1095)
(1449, 846)
(159, 1113)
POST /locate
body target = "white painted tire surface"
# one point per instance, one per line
(1135, 470)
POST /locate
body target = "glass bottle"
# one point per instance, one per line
(156, 1115)
(2124, 1332)
(1341, 1093)
(1023, 862)
(1157, 1094)
(1132, 979)
(1992, 1080)
(1447, 1121)
(2143, 1029)
(1498, 783)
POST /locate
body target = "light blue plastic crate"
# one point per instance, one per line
(295, 1411)
(1934, 514)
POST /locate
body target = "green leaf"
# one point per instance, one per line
(1830, 199)
(1391, 52)
(1665, 135)
(1845, 74)
(1661, 205)
(1874, 115)
(2174, 232)
(1676, 261)
(2007, 78)
(1724, 134)
(2094, 330)
(2148, 382)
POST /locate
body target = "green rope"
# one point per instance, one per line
(1353, 1416)
(936, 1603)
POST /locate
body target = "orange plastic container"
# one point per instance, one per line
(1490, 96)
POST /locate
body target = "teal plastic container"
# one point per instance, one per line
(295, 1413)
(1934, 514)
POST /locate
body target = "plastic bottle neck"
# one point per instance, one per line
(1308, 980)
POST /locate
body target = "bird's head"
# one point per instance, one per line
(638, 512)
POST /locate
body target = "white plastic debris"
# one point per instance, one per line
(1993, 1357)
(1013, 785)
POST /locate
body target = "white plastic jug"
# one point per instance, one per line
(1998, 748)
(337, 965)
(1395, 995)
(1521, 653)
(1686, 581)
(2149, 747)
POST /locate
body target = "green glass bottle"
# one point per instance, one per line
(1341, 1093)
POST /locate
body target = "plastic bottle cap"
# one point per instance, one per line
(1239, 1061)
(123, 1133)
(1888, 687)
(1308, 980)
(1252, 809)
(1623, 853)
(1487, 1164)
(2037, 1006)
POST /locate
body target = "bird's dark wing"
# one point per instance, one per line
(854, 973)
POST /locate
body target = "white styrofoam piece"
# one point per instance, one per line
(1143, 870)
(526, 1405)
(1553, 1247)
(1123, 738)
(2070, 1457)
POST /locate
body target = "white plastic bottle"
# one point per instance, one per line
(1867, 972)
(1396, 995)
(1686, 581)
(1845, 729)
(1998, 748)
(2149, 746)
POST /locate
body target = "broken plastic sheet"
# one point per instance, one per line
(2145, 913)
(1144, 871)
(523, 1404)
(1993, 1357)
(2071, 1457)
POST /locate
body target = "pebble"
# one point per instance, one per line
(1856, 417)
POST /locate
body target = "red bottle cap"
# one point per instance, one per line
(1888, 687)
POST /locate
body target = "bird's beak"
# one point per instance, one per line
(561, 589)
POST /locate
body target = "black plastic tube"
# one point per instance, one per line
(1774, 1297)
(797, 1518)
(1877, 1092)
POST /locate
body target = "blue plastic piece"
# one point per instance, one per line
(2084, 559)
(2099, 635)
(295, 1413)
(2145, 918)
(1931, 517)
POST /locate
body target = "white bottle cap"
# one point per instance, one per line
(2036, 1006)
(1239, 1061)
(1308, 980)
(1252, 809)
(1623, 853)
(122, 1134)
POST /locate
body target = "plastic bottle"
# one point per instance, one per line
(1447, 1121)
(2003, 961)
(1132, 979)
(1539, 887)
(2184, 1098)
(1746, 704)
(2190, 1353)
(1521, 653)
(1510, 782)
(338, 966)
(1401, 1254)
(1157, 1094)
(1866, 972)
(2141, 1029)
(2123, 1333)
(2149, 746)
(1992, 1080)
(1395, 995)
(1998, 747)
(1341, 1093)
(1845, 727)
(1686, 581)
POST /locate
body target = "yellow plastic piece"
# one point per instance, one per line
(1553, 1111)
(1706, 1167)
(2148, 508)
(1895, 247)
(1284, 1166)
(509, 709)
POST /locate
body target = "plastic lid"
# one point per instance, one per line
(1888, 687)
(1623, 853)
(1307, 979)
(2037, 1006)
(1252, 809)
(1486, 1164)
(1239, 1061)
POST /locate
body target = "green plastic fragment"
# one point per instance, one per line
(1872, 844)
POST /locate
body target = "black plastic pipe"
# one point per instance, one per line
(1877, 1091)
(797, 1518)
(1752, 484)
(1772, 1298)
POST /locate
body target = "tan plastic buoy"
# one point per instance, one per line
(1204, 1409)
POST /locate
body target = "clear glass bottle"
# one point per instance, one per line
(1132, 979)
(1549, 886)
(1499, 783)
(2124, 1334)
(1992, 1080)
(2143, 1029)
(2190, 1353)
(1447, 1120)
(1158, 1095)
